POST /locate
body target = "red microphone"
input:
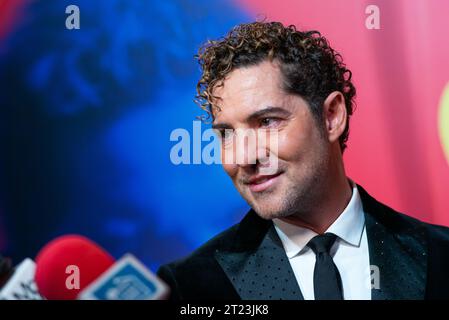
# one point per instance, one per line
(59, 257)
(98, 276)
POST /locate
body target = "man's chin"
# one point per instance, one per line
(266, 204)
(268, 212)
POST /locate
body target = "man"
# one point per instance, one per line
(312, 233)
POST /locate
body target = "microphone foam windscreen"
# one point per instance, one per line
(65, 258)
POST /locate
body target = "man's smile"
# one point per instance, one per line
(260, 183)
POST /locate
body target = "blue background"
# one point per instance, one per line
(85, 123)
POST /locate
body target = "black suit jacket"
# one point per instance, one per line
(248, 261)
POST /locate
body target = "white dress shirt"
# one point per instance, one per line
(350, 251)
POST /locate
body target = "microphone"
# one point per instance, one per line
(73, 267)
(62, 258)
(20, 285)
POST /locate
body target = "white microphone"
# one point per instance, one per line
(21, 285)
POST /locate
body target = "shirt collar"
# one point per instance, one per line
(348, 227)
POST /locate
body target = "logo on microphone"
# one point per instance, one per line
(128, 279)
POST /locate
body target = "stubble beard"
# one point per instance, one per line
(298, 195)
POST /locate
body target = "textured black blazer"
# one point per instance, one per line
(248, 261)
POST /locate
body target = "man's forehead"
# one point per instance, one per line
(246, 90)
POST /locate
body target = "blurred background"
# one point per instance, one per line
(86, 116)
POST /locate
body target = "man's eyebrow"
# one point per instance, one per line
(267, 111)
(258, 114)
(221, 126)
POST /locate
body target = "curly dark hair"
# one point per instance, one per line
(310, 67)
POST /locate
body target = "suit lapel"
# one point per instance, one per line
(397, 250)
(258, 268)
(256, 263)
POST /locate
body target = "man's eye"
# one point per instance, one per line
(225, 134)
(228, 133)
(266, 122)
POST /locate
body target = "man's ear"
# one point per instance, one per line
(335, 116)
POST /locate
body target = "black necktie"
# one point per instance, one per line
(326, 278)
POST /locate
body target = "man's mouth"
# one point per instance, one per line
(260, 183)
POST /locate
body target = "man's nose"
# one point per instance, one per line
(257, 151)
(247, 151)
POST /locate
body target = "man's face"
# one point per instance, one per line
(252, 98)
